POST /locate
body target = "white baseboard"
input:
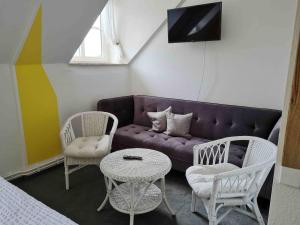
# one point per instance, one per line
(37, 167)
(290, 177)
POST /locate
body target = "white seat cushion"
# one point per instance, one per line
(200, 177)
(88, 147)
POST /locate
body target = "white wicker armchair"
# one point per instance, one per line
(87, 144)
(221, 184)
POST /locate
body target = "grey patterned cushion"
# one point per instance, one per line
(159, 120)
(178, 125)
(17, 207)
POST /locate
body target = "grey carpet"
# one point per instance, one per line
(87, 191)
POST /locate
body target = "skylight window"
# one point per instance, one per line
(92, 44)
(91, 47)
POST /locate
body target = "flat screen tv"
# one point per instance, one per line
(195, 23)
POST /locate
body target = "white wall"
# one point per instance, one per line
(285, 202)
(11, 141)
(65, 23)
(78, 88)
(247, 67)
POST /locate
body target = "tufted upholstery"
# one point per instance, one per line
(179, 149)
(121, 107)
(210, 122)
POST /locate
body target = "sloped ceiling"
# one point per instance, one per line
(65, 24)
(137, 21)
(14, 17)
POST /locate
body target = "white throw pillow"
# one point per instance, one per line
(178, 125)
(159, 120)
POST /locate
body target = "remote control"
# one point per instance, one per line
(132, 157)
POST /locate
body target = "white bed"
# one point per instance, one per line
(19, 208)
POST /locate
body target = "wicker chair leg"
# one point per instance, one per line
(103, 203)
(212, 214)
(212, 220)
(165, 200)
(194, 200)
(67, 176)
(258, 215)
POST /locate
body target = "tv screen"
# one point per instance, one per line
(195, 23)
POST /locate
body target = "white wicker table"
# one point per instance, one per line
(130, 183)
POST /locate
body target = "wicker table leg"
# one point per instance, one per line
(163, 190)
(131, 219)
(132, 204)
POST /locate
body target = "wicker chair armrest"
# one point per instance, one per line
(240, 172)
(115, 124)
(244, 180)
(113, 129)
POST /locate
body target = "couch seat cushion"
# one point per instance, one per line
(88, 147)
(177, 148)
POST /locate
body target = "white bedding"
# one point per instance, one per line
(19, 208)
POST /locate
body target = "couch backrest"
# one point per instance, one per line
(211, 121)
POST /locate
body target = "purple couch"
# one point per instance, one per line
(210, 122)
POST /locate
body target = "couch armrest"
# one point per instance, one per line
(121, 107)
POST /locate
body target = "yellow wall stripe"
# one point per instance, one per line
(32, 49)
(37, 99)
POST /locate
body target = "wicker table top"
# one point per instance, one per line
(154, 165)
